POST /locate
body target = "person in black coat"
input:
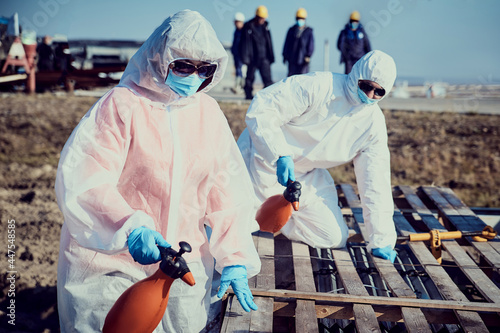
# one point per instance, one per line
(353, 42)
(299, 45)
(239, 21)
(45, 55)
(256, 50)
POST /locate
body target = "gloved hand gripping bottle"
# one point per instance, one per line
(141, 307)
(275, 212)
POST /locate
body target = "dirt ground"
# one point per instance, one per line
(460, 151)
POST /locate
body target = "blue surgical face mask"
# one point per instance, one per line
(301, 22)
(184, 86)
(354, 25)
(364, 98)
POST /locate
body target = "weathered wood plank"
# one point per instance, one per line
(490, 254)
(464, 210)
(448, 289)
(383, 312)
(475, 274)
(484, 285)
(262, 319)
(415, 320)
(449, 211)
(387, 270)
(235, 318)
(305, 312)
(366, 321)
(471, 218)
(331, 298)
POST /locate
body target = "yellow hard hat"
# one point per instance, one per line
(301, 13)
(261, 12)
(355, 16)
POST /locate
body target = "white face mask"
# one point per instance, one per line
(301, 22)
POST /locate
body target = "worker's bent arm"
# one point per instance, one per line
(373, 177)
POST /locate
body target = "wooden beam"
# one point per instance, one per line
(485, 286)
(387, 271)
(470, 321)
(14, 77)
(414, 318)
(366, 321)
(237, 319)
(386, 313)
(305, 314)
(262, 319)
(326, 298)
(490, 254)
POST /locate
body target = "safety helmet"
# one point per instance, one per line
(261, 12)
(301, 13)
(239, 17)
(355, 16)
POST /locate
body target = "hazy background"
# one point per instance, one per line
(451, 40)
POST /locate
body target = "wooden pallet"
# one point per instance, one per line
(303, 289)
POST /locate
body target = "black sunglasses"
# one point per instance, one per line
(184, 68)
(367, 87)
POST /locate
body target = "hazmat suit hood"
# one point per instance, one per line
(375, 66)
(184, 35)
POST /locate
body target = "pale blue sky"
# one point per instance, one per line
(429, 39)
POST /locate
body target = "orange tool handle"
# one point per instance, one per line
(427, 236)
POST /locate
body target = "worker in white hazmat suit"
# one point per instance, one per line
(299, 127)
(152, 163)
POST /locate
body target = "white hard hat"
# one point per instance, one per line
(239, 17)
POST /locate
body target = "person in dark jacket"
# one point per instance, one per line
(299, 45)
(239, 21)
(45, 55)
(256, 50)
(353, 42)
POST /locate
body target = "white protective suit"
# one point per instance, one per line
(319, 120)
(143, 156)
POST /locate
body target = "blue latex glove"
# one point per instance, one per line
(285, 170)
(236, 276)
(385, 253)
(142, 245)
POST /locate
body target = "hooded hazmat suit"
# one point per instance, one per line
(319, 120)
(143, 156)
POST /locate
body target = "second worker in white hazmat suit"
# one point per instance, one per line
(154, 161)
(305, 124)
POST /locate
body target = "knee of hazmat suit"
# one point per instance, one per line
(319, 120)
(145, 156)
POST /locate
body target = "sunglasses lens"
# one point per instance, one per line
(366, 87)
(206, 71)
(379, 92)
(182, 68)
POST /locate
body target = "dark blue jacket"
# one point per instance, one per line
(235, 48)
(256, 43)
(353, 44)
(297, 47)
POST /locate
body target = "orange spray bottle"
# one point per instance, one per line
(275, 212)
(141, 307)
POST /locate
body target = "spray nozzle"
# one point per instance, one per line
(292, 193)
(174, 265)
(184, 247)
